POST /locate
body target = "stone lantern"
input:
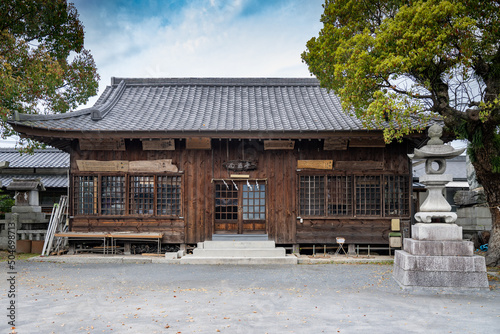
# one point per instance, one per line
(436, 256)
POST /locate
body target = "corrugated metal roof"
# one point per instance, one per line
(207, 105)
(49, 181)
(48, 158)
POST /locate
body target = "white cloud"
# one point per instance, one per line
(204, 39)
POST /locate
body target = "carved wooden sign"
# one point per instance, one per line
(315, 164)
(279, 144)
(159, 145)
(359, 165)
(240, 165)
(104, 144)
(164, 165)
(202, 143)
(331, 144)
(102, 166)
(152, 166)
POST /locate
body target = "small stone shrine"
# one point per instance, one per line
(436, 256)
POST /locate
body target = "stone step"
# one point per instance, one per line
(239, 252)
(240, 237)
(236, 244)
(289, 259)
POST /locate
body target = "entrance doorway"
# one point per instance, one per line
(240, 208)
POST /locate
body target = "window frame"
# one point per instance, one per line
(383, 196)
(128, 203)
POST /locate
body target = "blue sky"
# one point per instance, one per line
(199, 38)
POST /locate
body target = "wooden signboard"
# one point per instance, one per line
(102, 166)
(279, 144)
(331, 144)
(159, 145)
(367, 142)
(164, 165)
(102, 144)
(203, 143)
(315, 164)
(359, 165)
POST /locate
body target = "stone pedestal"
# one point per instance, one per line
(437, 258)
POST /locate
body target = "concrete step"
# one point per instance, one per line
(289, 259)
(239, 252)
(240, 237)
(236, 244)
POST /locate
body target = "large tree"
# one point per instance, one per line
(397, 60)
(44, 67)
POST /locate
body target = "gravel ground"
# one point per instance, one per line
(156, 298)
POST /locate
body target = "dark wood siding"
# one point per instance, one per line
(279, 167)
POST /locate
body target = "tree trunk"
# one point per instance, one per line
(491, 184)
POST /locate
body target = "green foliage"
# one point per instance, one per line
(6, 203)
(43, 65)
(393, 62)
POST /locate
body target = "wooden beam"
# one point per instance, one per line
(194, 143)
(107, 144)
(279, 144)
(331, 144)
(315, 164)
(367, 142)
(359, 165)
(158, 145)
(102, 166)
(164, 165)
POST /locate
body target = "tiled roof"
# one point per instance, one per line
(49, 181)
(206, 105)
(48, 158)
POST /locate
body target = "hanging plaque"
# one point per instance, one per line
(240, 165)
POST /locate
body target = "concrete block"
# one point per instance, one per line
(439, 248)
(181, 253)
(439, 263)
(437, 232)
(24, 209)
(171, 255)
(439, 279)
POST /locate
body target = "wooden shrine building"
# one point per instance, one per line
(193, 157)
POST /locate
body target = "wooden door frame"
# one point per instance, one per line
(240, 221)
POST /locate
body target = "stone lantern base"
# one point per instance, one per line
(437, 258)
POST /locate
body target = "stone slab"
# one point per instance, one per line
(438, 248)
(440, 279)
(237, 244)
(436, 232)
(235, 252)
(460, 264)
(289, 259)
(23, 209)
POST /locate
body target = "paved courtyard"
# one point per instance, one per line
(163, 298)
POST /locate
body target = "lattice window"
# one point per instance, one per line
(312, 195)
(397, 195)
(141, 195)
(112, 195)
(339, 195)
(85, 195)
(368, 196)
(254, 202)
(226, 202)
(168, 196)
